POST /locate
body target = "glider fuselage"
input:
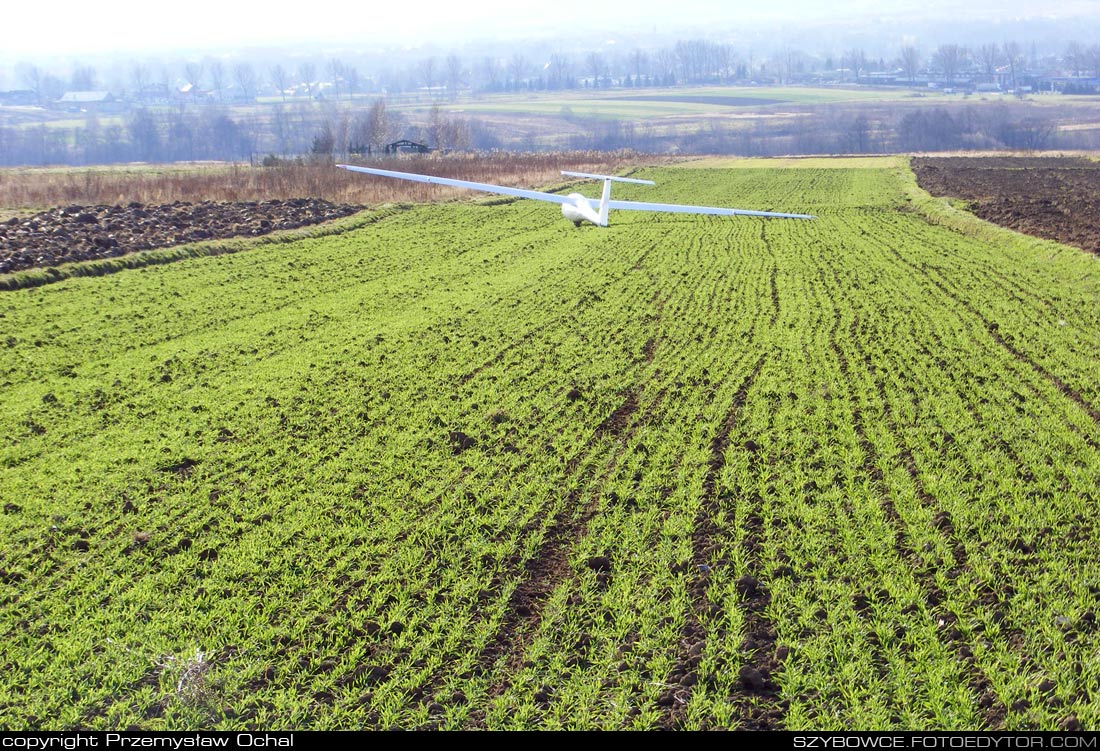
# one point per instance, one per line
(579, 210)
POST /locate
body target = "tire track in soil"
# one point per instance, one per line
(550, 566)
(430, 689)
(993, 710)
(379, 667)
(758, 644)
(772, 283)
(539, 564)
(521, 620)
(994, 331)
(547, 567)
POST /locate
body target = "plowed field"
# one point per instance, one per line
(1051, 197)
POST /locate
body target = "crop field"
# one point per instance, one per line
(469, 467)
(650, 103)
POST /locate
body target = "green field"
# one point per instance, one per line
(645, 103)
(470, 467)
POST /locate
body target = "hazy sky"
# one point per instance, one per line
(73, 27)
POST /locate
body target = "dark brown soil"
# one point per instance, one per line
(1057, 198)
(84, 233)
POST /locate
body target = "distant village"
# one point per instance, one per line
(216, 111)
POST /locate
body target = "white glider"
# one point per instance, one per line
(575, 207)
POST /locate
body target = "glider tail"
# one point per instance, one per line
(605, 200)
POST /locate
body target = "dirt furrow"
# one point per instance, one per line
(550, 566)
(993, 709)
(756, 673)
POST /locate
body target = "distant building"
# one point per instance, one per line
(405, 146)
(17, 98)
(189, 92)
(1069, 84)
(88, 101)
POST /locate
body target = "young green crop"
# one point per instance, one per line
(468, 467)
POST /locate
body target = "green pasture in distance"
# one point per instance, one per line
(470, 467)
(644, 103)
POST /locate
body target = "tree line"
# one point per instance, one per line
(687, 61)
(341, 132)
(170, 135)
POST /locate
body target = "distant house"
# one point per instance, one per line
(88, 101)
(17, 98)
(405, 146)
(189, 92)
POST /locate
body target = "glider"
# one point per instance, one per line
(575, 207)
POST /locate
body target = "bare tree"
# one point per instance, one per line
(139, 77)
(307, 72)
(280, 79)
(857, 135)
(1074, 58)
(352, 80)
(35, 79)
(1030, 134)
(1014, 57)
(376, 129)
(990, 57)
(454, 75)
(595, 63)
(949, 59)
(427, 73)
(558, 70)
(693, 55)
(83, 78)
(856, 60)
(517, 69)
(787, 61)
(723, 61)
(638, 60)
(217, 77)
(193, 73)
(280, 126)
(143, 134)
(341, 129)
(490, 72)
(910, 62)
(336, 72)
(448, 132)
(1092, 56)
(245, 76)
(664, 63)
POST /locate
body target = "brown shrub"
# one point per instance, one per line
(152, 184)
